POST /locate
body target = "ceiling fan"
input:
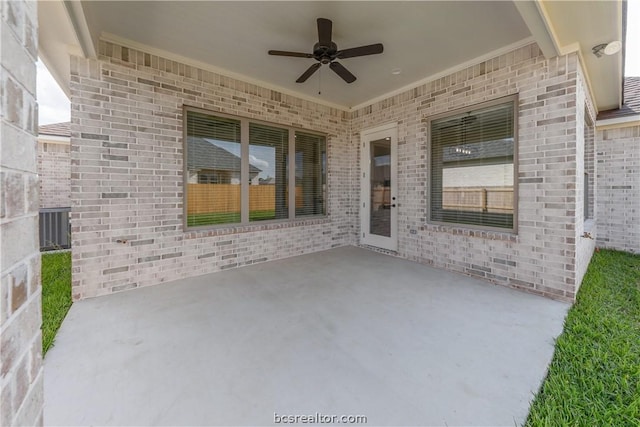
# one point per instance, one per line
(326, 52)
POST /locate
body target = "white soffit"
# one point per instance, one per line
(420, 38)
(56, 40)
(581, 25)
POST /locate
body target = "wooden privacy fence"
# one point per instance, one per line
(478, 199)
(225, 198)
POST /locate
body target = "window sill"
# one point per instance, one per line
(191, 233)
(472, 232)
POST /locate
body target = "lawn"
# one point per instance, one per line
(594, 378)
(56, 294)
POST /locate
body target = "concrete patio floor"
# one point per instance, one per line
(341, 332)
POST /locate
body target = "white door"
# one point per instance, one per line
(379, 201)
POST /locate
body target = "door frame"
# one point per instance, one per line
(389, 130)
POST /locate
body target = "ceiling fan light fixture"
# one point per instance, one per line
(610, 48)
(613, 47)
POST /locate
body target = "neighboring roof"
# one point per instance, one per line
(203, 154)
(56, 129)
(631, 102)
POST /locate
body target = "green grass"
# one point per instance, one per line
(594, 378)
(56, 294)
(195, 220)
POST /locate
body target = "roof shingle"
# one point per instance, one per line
(204, 154)
(631, 104)
(56, 129)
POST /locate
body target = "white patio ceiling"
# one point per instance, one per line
(422, 39)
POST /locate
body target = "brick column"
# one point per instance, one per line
(21, 389)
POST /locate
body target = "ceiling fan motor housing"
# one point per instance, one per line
(325, 54)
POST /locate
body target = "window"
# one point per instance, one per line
(239, 171)
(268, 154)
(311, 174)
(213, 170)
(472, 166)
(589, 166)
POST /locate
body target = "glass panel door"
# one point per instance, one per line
(380, 184)
(379, 214)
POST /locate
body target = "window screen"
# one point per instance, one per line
(213, 169)
(311, 161)
(268, 155)
(472, 167)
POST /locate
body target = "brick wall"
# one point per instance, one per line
(20, 317)
(541, 257)
(618, 188)
(586, 229)
(127, 173)
(127, 142)
(54, 170)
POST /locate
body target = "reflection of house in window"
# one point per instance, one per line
(381, 183)
(478, 176)
(472, 167)
(208, 163)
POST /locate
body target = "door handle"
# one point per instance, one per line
(393, 205)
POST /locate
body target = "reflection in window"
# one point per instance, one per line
(220, 159)
(268, 154)
(213, 170)
(472, 167)
(311, 161)
(380, 184)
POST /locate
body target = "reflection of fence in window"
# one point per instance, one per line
(381, 197)
(478, 199)
(225, 198)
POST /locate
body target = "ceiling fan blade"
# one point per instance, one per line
(294, 54)
(339, 69)
(324, 31)
(372, 49)
(303, 78)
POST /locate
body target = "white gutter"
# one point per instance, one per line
(619, 121)
(54, 139)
